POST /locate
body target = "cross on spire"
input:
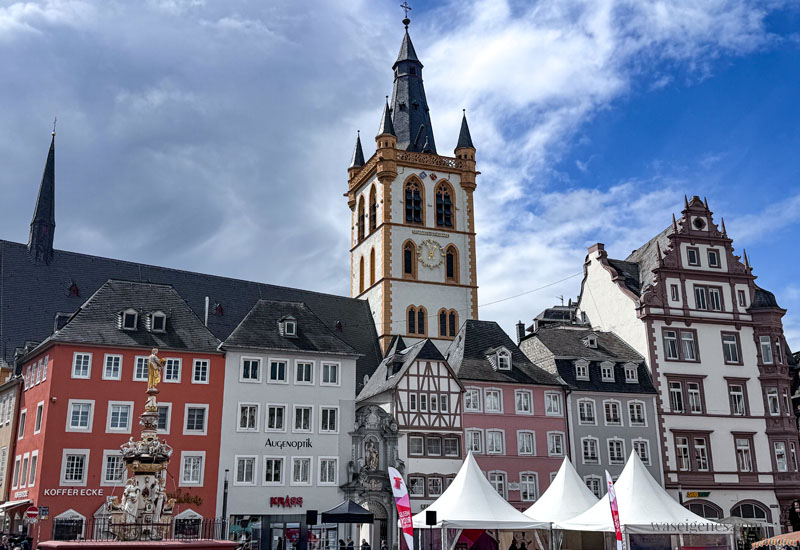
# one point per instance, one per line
(406, 8)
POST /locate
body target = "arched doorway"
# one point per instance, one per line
(379, 530)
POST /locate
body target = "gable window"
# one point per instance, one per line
(636, 415)
(773, 404)
(434, 402)
(277, 371)
(693, 256)
(413, 202)
(493, 400)
(731, 350)
(552, 404)
(714, 299)
(555, 444)
(503, 360)
(631, 374)
(582, 370)
(373, 209)
(423, 402)
(81, 365)
(613, 417)
(742, 298)
(607, 372)
(523, 402)
(410, 260)
(130, 319)
(586, 412)
(766, 349)
(674, 293)
(304, 372)
(589, 446)
(330, 374)
(158, 322)
(736, 398)
(525, 443)
(616, 451)
(713, 258)
(112, 369)
(472, 400)
(444, 206)
(200, 371)
(642, 448)
(276, 418)
(700, 301)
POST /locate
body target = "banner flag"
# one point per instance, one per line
(612, 500)
(403, 503)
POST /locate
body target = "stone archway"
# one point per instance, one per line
(379, 530)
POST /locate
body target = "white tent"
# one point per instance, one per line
(644, 507)
(566, 497)
(472, 503)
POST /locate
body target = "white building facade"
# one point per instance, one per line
(714, 343)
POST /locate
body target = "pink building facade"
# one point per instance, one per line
(513, 415)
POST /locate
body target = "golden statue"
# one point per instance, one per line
(155, 366)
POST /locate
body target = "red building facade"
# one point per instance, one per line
(81, 400)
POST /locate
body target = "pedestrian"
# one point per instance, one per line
(794, 515)
(4, 545)
(341, 544)
(523, 546)
(384, 546)
(365, 545)
(350, 544)
(513, 545)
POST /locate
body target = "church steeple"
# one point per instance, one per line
(43, 225)
(412, 122)
(464, 138)
(358, 154)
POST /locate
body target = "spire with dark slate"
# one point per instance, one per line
(464, 138)
(387, 127)
(358, 154)
(43, 225)
(412, 122)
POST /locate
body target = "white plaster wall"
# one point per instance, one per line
(704, 258)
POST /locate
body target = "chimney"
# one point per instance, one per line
(205, 316)
(520, 331)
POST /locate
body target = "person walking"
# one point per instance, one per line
(365, 545)
(341, 544)
(350, 544)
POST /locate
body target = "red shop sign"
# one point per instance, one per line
(285, 502)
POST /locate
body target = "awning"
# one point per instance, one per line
(13, 504)
(347, 512)
(789, 540)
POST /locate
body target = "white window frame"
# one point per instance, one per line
(297, 363)
(127, 428)
(647, 447)
(596, 447)
(775, 445)
(517, 410)
(535, 486)
(26, 461)
(70, 404)
(104, 470)
(153, 316)
(164, 371)
(38, 419)
(631, 422)
(582, 369)
(335, 481)
(619, 413)
(197, 362)
(16, 473)
(531, 433)
(478, 400)
(256, 471)
(773, 392)
(290, 323)
(598, 480)
(244, 380)
(294, 483)
(502, 433)
(608, 449)
(630, 368)
(338, 418)
(285, 408)
(168, 405)
(184, 456)
(559, 400)
(765, 346)
(415, 438)
(503, 354)
(590, 401)
(468, 443)
(106, 357)
(23, 420)
(322, 365)
(264, 482)
(33, 466)
(88, 368)
(186, 408)
(504, 476)
(124, 314)
(136, 360)
(86, 455)
(563, 437)
(310, 418)
(286, 366)
(499, 400)
(607, 366)
(239, 428)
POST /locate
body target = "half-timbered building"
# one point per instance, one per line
(419, 389)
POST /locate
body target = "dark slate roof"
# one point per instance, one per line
(410, 116)
(566, 342)
(764, 299)
(97, 321)
(260, 330)
(386, 126)
(629, 272)
(31, 294)
(46, 200)
(464, 138)
(397, 361)
(358, 154)
(646, 258)
(566, 369)
(469, 353)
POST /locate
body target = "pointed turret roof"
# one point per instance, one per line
(464, 138)
(43, 224)
(386, 127)
(358, 154)
(410, 117)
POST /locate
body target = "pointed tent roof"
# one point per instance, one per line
(472, 503)
(566, 497)
(464, 137)
(347, 512)
(407, 52)
(644, 507)
(358, 154)
(386, 126)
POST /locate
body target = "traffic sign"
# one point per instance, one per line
(44, 512)
(32, 512)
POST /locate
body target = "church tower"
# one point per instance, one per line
(43, 224)
(413, 229)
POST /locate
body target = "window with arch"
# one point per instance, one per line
(372, 267)
(360, 219)
(444, 205)
(361, 275)
(416, 320)
(448, 323)
(412, 320)
(421, 315)
(409, 260)
(704, 509)
(451, 264)
(751, 510)
(414, 202)
(373, 209)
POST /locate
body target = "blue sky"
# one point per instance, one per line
(215, 136)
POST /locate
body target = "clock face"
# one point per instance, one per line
(431, 253)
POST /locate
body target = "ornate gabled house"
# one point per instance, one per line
(718, 358)
(413, 229)
(408, 416)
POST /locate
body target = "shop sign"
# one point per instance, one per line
(697, 494)
(73, 492)
(185, 498)
(44, 512)
(285, 502)
(283, 443)
(21, 494)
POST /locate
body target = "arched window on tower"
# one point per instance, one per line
(448, 323)
(371, 267)
(421, 314)
(414, 202)
(360, 219)
(444, 206)
(442, 322)
(409, 260)
(453, 322)
(373, 209)
(361, 275)
(451, 264)
(412, 320)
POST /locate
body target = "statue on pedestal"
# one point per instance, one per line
(155, 366)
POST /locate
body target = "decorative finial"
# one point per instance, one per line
(705, 202)
(724, 232)
(55, 119)
(686, 202)
(674, 223)
(746, 261)
(660, 257)
(406, 8)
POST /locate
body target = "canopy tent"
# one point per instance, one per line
(566, 497)
(644, 507)
(783, 542)
(472, 503)
(347, 512)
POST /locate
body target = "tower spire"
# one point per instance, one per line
(386, 127)
(43, 224)
(358, 154)
(464, 137)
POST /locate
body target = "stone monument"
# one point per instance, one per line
(145, 512)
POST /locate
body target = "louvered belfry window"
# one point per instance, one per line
(444, 207)
(413, 203)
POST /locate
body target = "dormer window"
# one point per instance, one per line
(582, 369)
(130, 319)
(590, 341)
(631, 373)
(503, 360)
(607, 371)
(288, 326)
(158, 322)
